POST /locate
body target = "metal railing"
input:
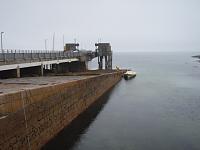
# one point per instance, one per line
(24, 56)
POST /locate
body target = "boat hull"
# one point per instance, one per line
(127, 77)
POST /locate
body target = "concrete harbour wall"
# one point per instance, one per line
(34, 116)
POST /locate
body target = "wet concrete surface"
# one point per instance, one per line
(17, 84)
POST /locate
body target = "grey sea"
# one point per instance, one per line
(157, 110)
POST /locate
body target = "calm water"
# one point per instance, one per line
(158, 110)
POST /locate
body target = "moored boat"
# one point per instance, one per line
(129, 74)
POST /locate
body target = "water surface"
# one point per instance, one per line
(158, 110)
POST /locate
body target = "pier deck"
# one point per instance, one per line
(34, 109)
(18, 84)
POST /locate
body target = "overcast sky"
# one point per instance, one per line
(129, 25)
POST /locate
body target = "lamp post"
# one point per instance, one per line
(45, 44)
(53, 40)
(63, 41)
(2, 41)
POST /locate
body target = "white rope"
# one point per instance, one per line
(25, 118)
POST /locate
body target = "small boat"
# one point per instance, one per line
(129, 74)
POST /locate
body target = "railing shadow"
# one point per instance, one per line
(70, 135)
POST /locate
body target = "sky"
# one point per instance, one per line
(129, 25)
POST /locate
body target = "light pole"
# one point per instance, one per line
(2, 41)
(53, 40)
(45, 44)
(64, 41)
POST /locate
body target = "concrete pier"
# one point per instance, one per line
(40, 70)
(20, 63)
(34, 109)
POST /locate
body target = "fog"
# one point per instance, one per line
(129, 25)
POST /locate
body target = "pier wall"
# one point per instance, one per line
(34, 116)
